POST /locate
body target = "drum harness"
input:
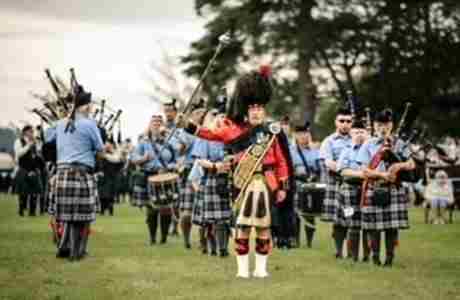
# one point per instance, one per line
(309, 177)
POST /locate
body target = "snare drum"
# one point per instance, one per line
(311, 198)
(163, 189)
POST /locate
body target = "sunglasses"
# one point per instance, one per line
(344, 121)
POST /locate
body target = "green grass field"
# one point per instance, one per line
(122, 266)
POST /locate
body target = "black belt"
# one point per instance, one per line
(383, 184)
(77, 166)
(214, 172)
(265, 169)
(353, 182)
(150, 172)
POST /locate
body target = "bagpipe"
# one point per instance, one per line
(61, 105)
(192, 103)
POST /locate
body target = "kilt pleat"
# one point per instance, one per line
(349, 196)
(330, 199)
(139, 194)
(210, 206)
(394, 216)
(74, 195)
(186, 196)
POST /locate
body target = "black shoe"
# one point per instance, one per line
(214, 253)
(153, 242)
(204, 251)
(366, 259)
(63, 254)
(388, 262)
(376, 261)
(21, 214)
(188, 246)
(223, 253)
(338, 256)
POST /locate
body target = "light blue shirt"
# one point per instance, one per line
(196, 173)
(212, 151)
(79, 146)
(368, 151)
(148, 146)
(311, 158)
(347, 159)
(370, 148)
(50, 134)
(181, 137)
(333, 145)
(198, 150)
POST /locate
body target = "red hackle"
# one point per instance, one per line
(265, 71)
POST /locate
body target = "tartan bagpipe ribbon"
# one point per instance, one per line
(374, 163)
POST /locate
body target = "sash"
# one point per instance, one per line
(304, 161)
(158, 154)
(250, 162)
(374, 163)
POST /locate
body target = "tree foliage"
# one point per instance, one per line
(386, 52)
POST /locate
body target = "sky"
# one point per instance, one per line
(110, 43)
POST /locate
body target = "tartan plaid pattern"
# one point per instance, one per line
(330, 199)
(164, 195)
(49, 193)
(187, 196)
(74, 196)
(349, 196)
(210, 206)
(139, 196)
(394, 216)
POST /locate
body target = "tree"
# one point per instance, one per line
(261, 30)
(385, 51)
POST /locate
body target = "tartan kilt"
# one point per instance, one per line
(349, 196)
(330, 199)
(49, 191)
(75, 196)
(164, 195)
(394, 216)
(211, 206)
(28, 183)
(139, 194)
(187, 196)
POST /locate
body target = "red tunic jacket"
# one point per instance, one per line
(278, 171)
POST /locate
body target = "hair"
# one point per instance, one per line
(384, 116)
(84, 109)
(171, 104)
(343, 111)
(440, 173)
(26, 128)
(358, 124)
